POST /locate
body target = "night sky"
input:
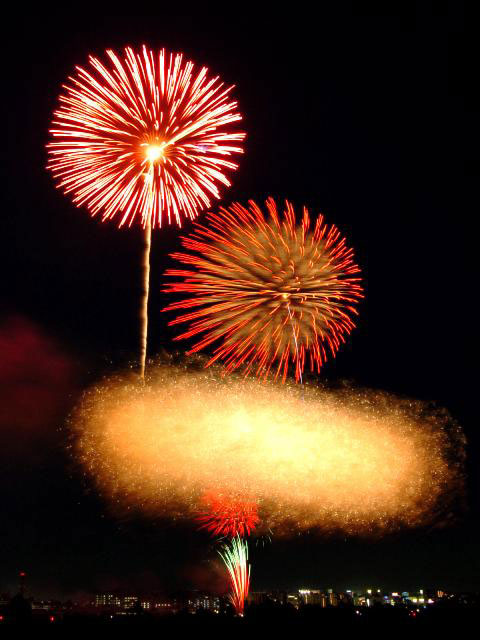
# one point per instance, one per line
(361, 115)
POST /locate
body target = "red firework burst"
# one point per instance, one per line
(143, 135)
(225, 515)
(270, 290)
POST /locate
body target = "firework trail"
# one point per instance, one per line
(269, 290)
(144, 300)
(235, 557)
(190, 442)
(141, 137)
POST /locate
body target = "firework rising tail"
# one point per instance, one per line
(145, 295)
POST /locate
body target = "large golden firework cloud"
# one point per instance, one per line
(355, 461)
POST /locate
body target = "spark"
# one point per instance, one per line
(141, 137)
(357, 461)
(270, 292)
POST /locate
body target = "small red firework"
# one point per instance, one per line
(143, 136)
(270, 290)
(225, 515)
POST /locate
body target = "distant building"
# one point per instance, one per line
(129, 602)
(293, 599)
(107, 600)
(257, 597)
(165, 606)
(345, 598)
(314, 596)
(42, 605)
(205, 603)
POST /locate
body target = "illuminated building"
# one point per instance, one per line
(198, 602)
(315, 597)
(129, 602)
(204, 602)
(164, 607)
(41, 605)
(107, 600)
(293, 599)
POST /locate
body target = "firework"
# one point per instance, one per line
(235, 557)
(142, 137)
(351, 460)
(224, 514)
(271, 291)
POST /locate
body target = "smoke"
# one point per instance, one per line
(356, 461)
(208, 576)
(36, 378)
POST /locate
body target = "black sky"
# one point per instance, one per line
(362, 115)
